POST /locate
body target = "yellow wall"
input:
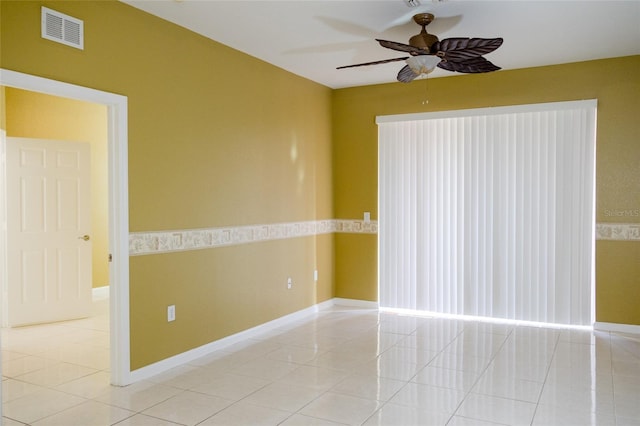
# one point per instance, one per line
(34, 115)
(615, 83)
(3, 125)
(216, 138)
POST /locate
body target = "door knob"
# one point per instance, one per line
(84, 237)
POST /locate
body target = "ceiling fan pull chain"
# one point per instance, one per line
(426, 90)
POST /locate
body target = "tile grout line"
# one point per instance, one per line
(480, 375)
(546, 376)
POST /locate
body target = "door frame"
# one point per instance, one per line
(117, 146)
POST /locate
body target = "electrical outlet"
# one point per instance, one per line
(289, 283)
(171, 313)
(367, 217)
(315, 275)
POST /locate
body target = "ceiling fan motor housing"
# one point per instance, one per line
(424, 40)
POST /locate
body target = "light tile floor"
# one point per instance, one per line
(342, 366)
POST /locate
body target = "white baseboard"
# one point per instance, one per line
(355, 303)
(185, 357)
(618, 328)
(100, 293)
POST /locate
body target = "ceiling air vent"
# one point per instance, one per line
(62, 28)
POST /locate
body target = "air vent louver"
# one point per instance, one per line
(62, 28)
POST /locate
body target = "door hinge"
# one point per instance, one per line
(110, 257)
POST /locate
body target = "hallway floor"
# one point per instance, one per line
(342, 366)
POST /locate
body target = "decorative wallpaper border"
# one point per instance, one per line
(141, 243)
(618, 231)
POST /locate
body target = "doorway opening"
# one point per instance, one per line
(118, 220)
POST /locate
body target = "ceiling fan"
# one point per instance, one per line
(458, 54)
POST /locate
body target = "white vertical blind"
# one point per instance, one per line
(490, 212)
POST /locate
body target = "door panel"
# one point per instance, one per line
(48, 214)
(32, 204)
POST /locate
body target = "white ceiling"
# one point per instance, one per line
(311, 38)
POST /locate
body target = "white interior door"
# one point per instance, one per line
(48, 231)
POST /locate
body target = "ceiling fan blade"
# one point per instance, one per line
(462, 48)
(345, 26)
(401, 47)
(406, 75)
(384, 61)
(469, 66)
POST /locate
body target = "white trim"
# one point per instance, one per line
(486, 111)
(118, 205)
(4, 281)
(618, 328)
(3, 236)
(100, 293)
(355, 303)
(252, 333)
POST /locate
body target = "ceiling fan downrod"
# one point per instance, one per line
(424, 40)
